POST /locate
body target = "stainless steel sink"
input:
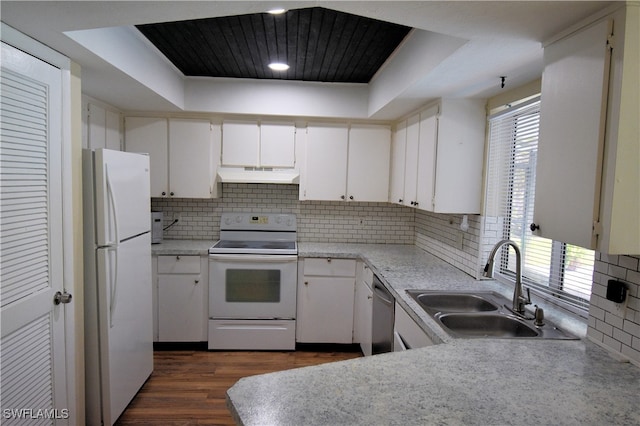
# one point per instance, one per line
(491, 325)
(453, 302)
(482, 314)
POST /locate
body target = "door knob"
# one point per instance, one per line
(60, 297)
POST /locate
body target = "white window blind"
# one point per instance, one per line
(560, 272)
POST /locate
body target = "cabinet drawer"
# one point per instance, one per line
(327, 266)
(178, 264)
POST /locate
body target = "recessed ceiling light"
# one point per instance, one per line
(278, 66)
(276, 11)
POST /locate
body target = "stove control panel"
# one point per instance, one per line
(259, 220)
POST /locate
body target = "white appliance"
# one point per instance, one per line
(118, 297)
(253, 282)
(156, 227)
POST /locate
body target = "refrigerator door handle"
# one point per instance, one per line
(112, 204)
(113, 287)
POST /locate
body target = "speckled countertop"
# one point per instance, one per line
(459, 382)
(182, 247)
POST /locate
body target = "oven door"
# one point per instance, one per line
(250, 286)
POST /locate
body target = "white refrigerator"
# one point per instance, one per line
(118, 295)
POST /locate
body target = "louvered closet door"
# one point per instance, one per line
(33, 359)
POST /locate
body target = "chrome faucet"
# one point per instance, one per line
(519, 301)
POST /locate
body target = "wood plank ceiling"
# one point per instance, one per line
(318, 44)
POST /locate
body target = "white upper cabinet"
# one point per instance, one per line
(325, 172)
(411, 162)
(398, 152)
(191, 158)
(346, 164)
(181, 154)
(459, 156)
(150, 135)
(253, 144)
(588, 167)
(103, 128)
(277, 145)
(368, 163)
(443, 158)
(427, 140)
(240, 143)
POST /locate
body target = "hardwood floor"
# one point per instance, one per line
(188, 387)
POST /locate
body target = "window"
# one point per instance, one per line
(560, 272)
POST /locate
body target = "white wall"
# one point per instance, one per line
(419, 54)
(125, 49)
(278, 98)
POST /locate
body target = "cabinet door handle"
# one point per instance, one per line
(171, 193)
(164, 193)
(196, 282)
(534, 227)
(342, 197)
(351, 197)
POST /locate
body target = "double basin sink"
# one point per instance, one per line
(482, 314)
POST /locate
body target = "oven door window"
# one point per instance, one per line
(253, 285)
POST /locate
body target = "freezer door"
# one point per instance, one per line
(122, 195)
(126, 323)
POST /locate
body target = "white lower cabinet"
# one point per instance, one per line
(181, 297)
(326, 289)
(363, 309)
(407, 334)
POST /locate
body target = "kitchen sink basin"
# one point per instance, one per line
(453, 302)
(491, 325)
(482, 314)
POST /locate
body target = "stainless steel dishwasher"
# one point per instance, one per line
(383, 316)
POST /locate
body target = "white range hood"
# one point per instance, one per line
(258, 175)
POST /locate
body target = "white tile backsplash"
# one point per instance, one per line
(354, 222)
(616, 326)
(440, 235)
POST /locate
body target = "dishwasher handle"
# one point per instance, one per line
(382, 293)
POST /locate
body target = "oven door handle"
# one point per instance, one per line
(264, 258)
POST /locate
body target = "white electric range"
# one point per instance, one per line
(253, 281)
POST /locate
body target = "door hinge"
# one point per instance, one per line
(597, 228)
(611, 40)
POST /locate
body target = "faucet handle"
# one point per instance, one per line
(539, 317)
(528, 300)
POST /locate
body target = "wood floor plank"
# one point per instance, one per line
(188, 387)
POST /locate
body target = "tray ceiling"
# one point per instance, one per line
(318, 44)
